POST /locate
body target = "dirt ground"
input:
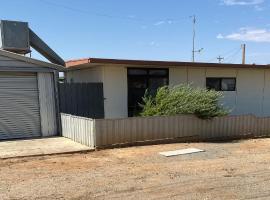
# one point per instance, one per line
(232, 170)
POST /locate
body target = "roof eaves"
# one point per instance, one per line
(31, 60)
(78, 63)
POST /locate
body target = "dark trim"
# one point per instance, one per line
(148, 63)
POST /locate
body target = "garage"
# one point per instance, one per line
(29, 105)
(19, 105)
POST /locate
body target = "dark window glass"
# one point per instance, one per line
(155, 83)
(159, 72)
(137, 72)
(213, 84)
(139, 80)
(221, 84)
(228, 84)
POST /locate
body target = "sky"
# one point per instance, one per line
(149, 30)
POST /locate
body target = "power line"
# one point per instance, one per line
(224, 55)
(93, 13)
(232, 57)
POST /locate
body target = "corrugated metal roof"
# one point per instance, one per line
(31, 60)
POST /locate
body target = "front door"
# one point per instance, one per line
(140, 79)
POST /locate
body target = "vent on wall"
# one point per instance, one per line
(17, 37)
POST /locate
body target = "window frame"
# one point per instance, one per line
(220, 83)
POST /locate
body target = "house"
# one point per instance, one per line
(246, 87)
(28, 97)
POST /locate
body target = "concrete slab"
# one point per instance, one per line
(180, 152)
(40, 146)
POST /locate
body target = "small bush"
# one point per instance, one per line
(183, 99)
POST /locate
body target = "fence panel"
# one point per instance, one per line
(82, 99)
(138, 129)
(79, 129)
(107, 132)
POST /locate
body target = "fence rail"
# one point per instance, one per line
(107, 132)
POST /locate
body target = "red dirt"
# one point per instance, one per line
(233, 170)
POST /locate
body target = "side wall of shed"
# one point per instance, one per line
(47, 103)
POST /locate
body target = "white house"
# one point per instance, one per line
(246, 87)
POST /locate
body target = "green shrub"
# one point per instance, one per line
(183, 99)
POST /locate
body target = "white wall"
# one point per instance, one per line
(252, 95)
(229, 99)
(115, 91)
(114, 81)
(89, 75)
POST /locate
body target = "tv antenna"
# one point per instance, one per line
(193, 39)
(220, 59)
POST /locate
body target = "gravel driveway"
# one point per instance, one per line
(232, 170)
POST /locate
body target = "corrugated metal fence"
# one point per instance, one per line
(107, 132)
(79, 129)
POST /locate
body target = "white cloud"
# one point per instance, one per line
(162, 22)
(242, 2)
(248, 34)
(220, 36)
(159, 23)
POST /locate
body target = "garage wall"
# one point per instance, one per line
(252, 95)
(47, 104)
(6, 61)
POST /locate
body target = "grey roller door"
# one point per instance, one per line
(19, 106)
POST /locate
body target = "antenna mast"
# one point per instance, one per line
(193, 39)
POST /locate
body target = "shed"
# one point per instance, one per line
(28, 97)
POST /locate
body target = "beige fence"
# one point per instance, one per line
(79, 129)
(107, 132)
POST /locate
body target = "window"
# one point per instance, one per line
(141, 79)
(221, 84)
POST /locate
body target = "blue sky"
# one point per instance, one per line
(152, 29)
